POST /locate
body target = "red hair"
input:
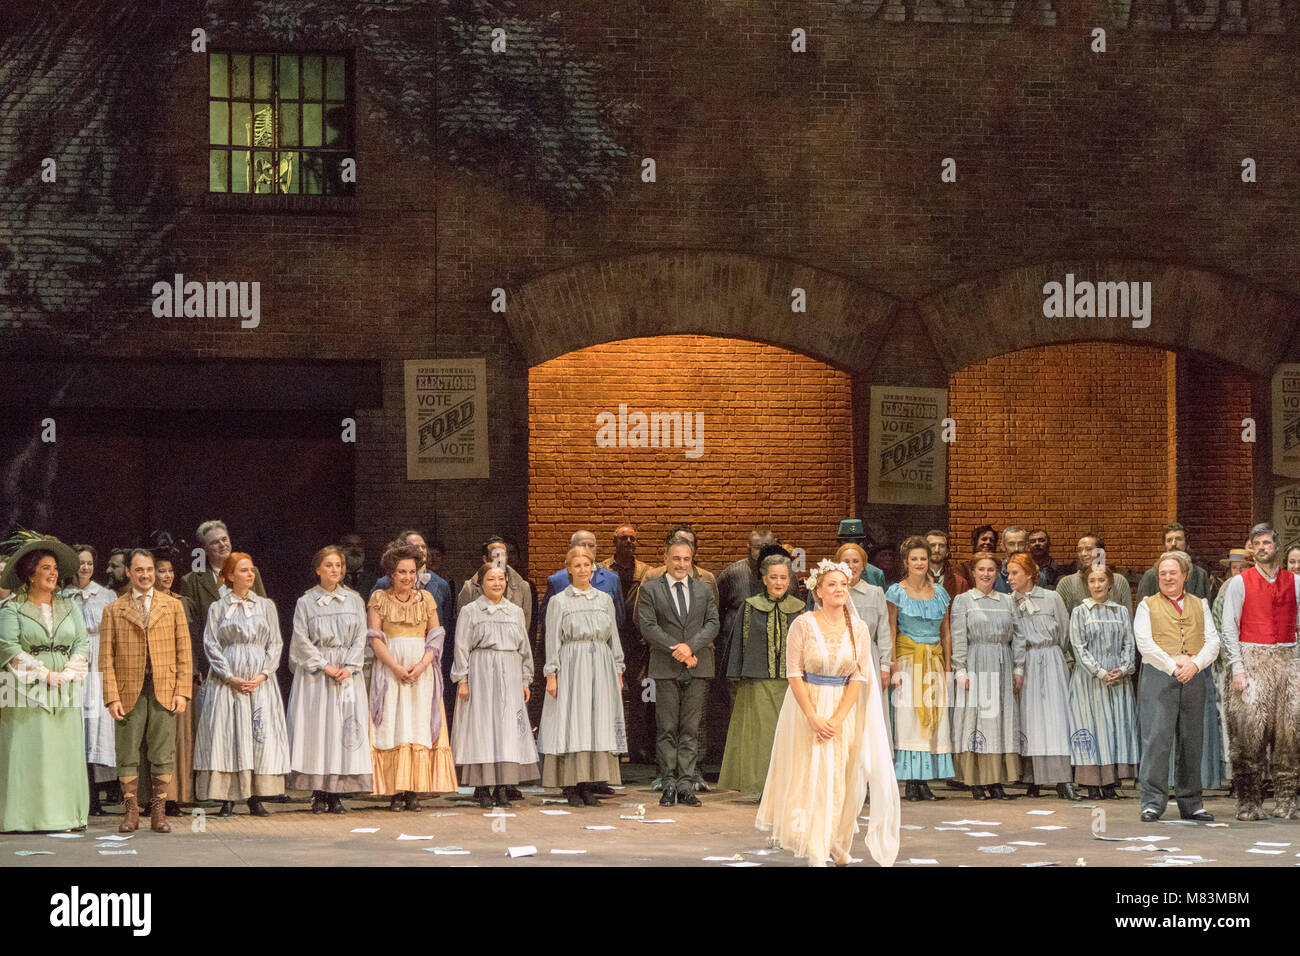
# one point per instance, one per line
(232, 562)
(1025, 563)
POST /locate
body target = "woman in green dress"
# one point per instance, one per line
(44, 657)
(756, 658)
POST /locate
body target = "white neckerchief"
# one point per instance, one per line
(328, 596)
(1023, 602)
(247, 605)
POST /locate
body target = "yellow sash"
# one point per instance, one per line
(926, 659)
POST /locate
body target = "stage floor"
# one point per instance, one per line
(722, 827)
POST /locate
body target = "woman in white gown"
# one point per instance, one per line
(831, 742)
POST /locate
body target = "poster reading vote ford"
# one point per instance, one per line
(446, 419)
(1286, 421)
(908, 457)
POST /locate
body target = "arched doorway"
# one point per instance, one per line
(1106, 436)
(761, 436)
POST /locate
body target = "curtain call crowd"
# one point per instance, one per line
(821, 694)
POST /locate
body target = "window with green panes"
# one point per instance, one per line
(279, 123)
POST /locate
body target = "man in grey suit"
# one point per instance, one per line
(679, 620)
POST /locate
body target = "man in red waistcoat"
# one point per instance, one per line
(1260, 618)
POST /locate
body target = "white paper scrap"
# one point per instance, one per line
(498, 814)
(66, 836)
(603, 826)
(1040, 813)
(556, 813)
(922, 861)
(515, 852)
(119, 838)
(568, 851)
(1027, 843)
(366, 830)
(446, 851)
(1052, 827)
(1262, 843)
(407, 836)
(117, 853)
(660, 820)
(33, 853)
(1255, 849)
(981, 833)
(911, 826)
(720, 859)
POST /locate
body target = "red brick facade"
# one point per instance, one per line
(777, 448)
(775, 170)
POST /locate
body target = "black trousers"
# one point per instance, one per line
(679, 708)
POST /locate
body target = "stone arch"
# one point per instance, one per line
(1230, 319)
(728, 294)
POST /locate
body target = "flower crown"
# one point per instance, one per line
(823, 566)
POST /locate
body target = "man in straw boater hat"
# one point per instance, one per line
(144, 650)
(1260, 615)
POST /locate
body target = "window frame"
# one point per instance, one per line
(344, 201)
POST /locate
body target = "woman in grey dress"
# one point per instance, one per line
(242, 746)
(1041, 680)
(329, 714)
(985, 718)
(493, 666)
(1104, 745)
(582, 731)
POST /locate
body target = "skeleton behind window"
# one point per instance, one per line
(263, 131)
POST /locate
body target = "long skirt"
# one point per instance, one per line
(101, 745)
(985, 718)
(1104, 744)
(402, 749)
(43, 783)
(814, 791)
(750, 735)
(1045, 717)
(491, 734)
(582, 730)
(242, 745)
(921, 753)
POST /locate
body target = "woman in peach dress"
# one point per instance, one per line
(831, 743)
(409, 746)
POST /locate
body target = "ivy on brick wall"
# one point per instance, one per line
(533, 114)
(77, 86)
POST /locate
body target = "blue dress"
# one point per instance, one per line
(920, 752)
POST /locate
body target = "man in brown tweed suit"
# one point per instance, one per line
(144, 652)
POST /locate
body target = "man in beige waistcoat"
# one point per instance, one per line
(1176, 636)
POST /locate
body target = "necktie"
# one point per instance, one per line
(144, 611)
(681, 600)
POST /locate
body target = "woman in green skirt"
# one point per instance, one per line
(44, 657)
(757, 659)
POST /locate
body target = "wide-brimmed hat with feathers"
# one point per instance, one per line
(25, 542)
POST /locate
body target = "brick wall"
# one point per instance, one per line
(827, 159)
(1214, 464)
(1067, 437)
(778, 436)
